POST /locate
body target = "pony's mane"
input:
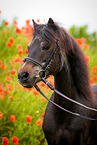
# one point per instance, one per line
(78, 65)
(75, 57)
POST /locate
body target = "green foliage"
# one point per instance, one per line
(24, 102)
(78, 32)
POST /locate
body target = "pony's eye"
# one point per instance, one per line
(45, 47)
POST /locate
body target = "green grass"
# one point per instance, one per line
(24, 102)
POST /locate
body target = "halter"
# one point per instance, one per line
(48, 62)
(44, 69)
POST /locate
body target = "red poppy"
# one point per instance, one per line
(39, 122)
(42, 84)
(94, 68)
(51, 80)
(18, 31)
(1, 96)
(93, 72)
(10, 97)
(1, 115)
(6, 23)
(5, 141)
(95, 77)
(92, 81)
(9, 86)
(1, 88)
(38, 20)
(15, 140)
(27, 22)
(87, 59)
(34, 91)
(15, 87)
(0, 61)
(1, 84)
(83, 39)
(3, 66)
(19, 38)
(10, 131)
(19, 46)
(20, 52)
(4, 32)
(86, 46)
(8, 78)
(18, 60)
(43, 99)
(7, 92)
(79, 41)
(11, 40)
(0, 11)
(26, 51)
(12, 118)
(9, 44)
(15, 22)
(13, 72)
(42, 115)
(28, 119)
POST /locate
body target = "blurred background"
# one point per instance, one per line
(65, 12)
(22, 110)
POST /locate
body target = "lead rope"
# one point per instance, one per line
(56, 91)
(73, 113)
(70, 112)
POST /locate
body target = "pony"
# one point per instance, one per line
(53, 51)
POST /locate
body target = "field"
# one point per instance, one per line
(22, 110)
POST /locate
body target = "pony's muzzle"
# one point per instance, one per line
(23, 77)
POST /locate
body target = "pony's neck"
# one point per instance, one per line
(64, 84)
(73, 80)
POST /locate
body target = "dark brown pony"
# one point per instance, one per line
(71, 77)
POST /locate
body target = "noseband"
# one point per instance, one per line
(44, 69)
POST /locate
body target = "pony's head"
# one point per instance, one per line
(44, 56)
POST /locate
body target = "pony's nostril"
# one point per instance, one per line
(25, 76)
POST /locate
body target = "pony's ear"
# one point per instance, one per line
(34, 24)
(51, 23)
